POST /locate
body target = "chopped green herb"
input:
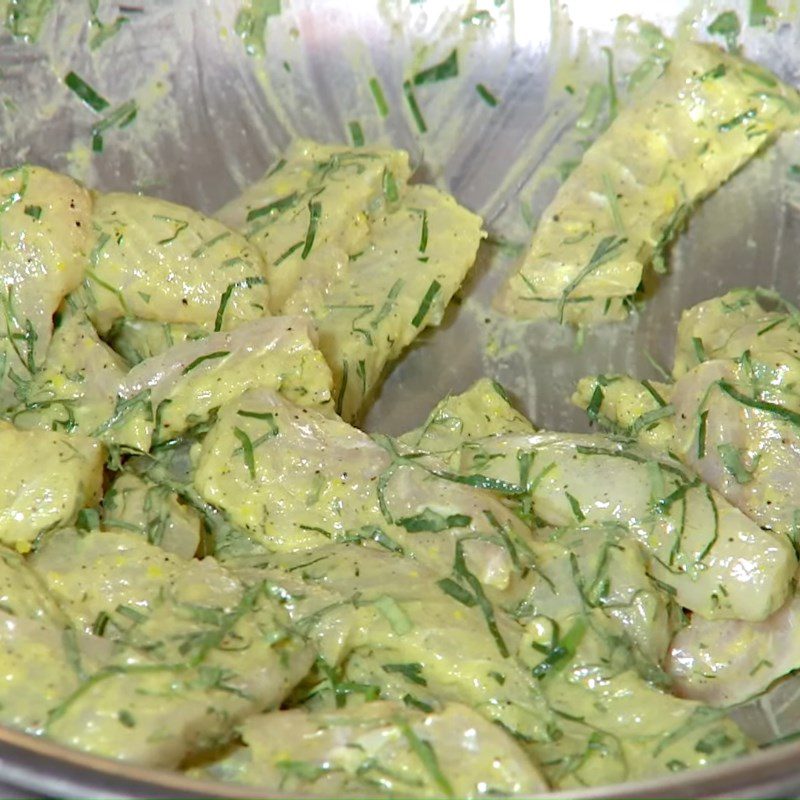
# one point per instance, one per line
(24, 18)
(439, 72)
(306, 771)
(394, 615)
(408, 91)
(412, 672)
(561, 650)
(613, 204)
(314, 211)
(430, 520)
(603, 252)
(104, 32)
(591, 109)
(276, 207)
(205, 246)
(122, 116)
(388, 304)
(575, 506)
(676, 765)
(35, 212)
(343, 389)
(713, 741)
(727, 26)
(88, 519)
(596, 401)
(653, 393)
(180, 226)
(126, 718)
(732, 123)
(287, 252)
(461, 570)
(486, 95)
(425, 305)
(390, 192)
(379, 536)
(731, 458)
(413, 702)
(478, 19)
(779, 411)
(356, 133)
(125, 406)
(244, 283)
(456, 591)
(379, 97)
(427, 756)
(100, 622)
(613, 102)
(423, 236)
(713, 73)
(760, 10)
(207, 357)
(251, 24)
(132, 614)
(649, 419)
(247, 450)
(264, 416)
(85, 92)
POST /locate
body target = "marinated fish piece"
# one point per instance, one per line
(622, 405)
(45, 229)
(134, 504)
(194, 651)
(719, 563)
(371, 260)
(612, 566)
(482, 410)
(310, 212)
(401, 632)
(40, 652)
(615, 575)
(737, 426)
(381, 748)
(46, 477)
(416, 258)
(733, 413)
(698, 544)
(727, 326)
(723, 663)
(188, 381)
(76, 390)
(737, 404)
(616, 722)
(161, 261)
(295, 478)
(705, 117)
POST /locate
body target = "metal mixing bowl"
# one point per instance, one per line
(212, 116)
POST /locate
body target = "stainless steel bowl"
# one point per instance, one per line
(211, 116)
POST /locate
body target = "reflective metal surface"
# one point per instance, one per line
(212, 116)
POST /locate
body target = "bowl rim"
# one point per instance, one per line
(32, 763)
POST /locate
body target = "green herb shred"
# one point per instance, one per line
(419, 120)
(356, 133)
(247, 450)
(439, 72)
(314, 212)
(379, 97)
(486, 95)
(90, 96)
(425, 305)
